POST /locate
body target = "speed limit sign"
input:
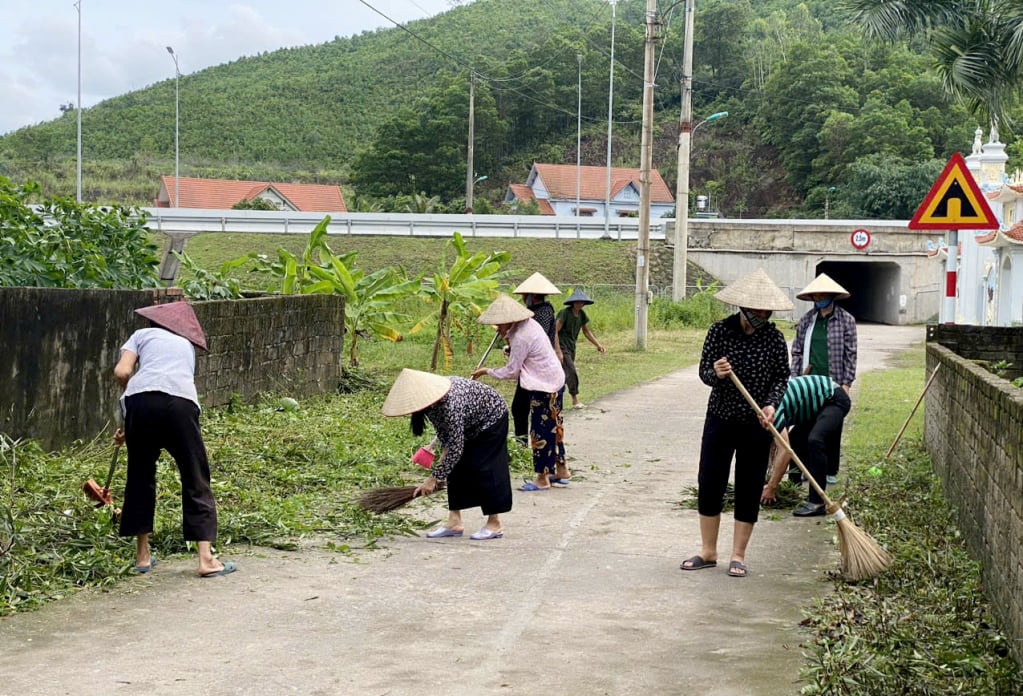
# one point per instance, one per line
(860, 239)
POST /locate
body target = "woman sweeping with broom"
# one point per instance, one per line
(755, 349)
(471, 422)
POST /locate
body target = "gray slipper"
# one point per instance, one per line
(697, 563)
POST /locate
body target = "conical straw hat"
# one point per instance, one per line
(824, 285)
(579, 296)
(178, 318)
(504, 310)
(536, 284)
(413, 391)
(755, 291)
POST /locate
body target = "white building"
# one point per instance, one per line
(990, 278)
(555, 186)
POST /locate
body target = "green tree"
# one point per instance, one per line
(877, 187)
(977, 45)
(255, 204)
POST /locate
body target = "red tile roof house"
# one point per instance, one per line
(220, 194)
(553, 186)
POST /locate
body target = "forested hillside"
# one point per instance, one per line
(812, 107)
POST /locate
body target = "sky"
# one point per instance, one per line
(124, 42)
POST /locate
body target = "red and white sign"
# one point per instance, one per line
(860, 239)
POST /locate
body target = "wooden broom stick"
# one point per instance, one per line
(913, 412)
(862, 557)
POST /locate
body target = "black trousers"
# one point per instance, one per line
(750, 444)
(156, 421)
(520, 412)
(481, 477)
(816, 442)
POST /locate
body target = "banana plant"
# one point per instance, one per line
(370, 300)
(461, 291)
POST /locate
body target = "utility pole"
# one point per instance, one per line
(646, 165)
(685, 131)
(470, 175)
(579, 135)
(610, 104)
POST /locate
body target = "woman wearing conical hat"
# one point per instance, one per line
(533, 362)
(161, 412)
(751, 346)
(534, 291)
(471, 422)
(825, 344)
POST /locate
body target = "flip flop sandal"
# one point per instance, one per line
(697, 563)
(530, 486)
(737, 569)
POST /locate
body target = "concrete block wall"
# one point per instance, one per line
(974, 434)
(988, 343)
(60, 346)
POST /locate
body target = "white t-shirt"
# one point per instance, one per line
(166, 364)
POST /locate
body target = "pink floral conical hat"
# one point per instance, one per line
(176, 317)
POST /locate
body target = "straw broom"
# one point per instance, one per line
(862, 557)
(388, 498)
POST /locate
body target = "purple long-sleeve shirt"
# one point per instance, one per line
(532, 359)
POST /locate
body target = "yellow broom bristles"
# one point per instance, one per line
(862, 557)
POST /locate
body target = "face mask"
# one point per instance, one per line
(755, 320)
(824, 304)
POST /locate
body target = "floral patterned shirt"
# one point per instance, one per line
(543, 314)
(760, 360)
(467, 410)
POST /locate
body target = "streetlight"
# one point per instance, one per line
(827, 200)
(177, 78)
(578, 134)
(610, 104)
(78, 110)
(710, 119)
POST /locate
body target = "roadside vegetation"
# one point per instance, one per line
(924, 626)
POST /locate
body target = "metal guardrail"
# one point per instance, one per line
(187, 222)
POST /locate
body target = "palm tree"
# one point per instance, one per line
(977, 44)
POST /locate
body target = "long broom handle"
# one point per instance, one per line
(913, 412)
(113, 465)
(781, 440)
(489, 348)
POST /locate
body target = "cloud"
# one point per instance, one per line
(124, 44)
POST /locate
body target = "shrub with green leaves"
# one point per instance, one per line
(63, 244)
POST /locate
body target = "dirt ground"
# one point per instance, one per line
(583, 595)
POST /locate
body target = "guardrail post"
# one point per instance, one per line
(349, 221)
(557, 230)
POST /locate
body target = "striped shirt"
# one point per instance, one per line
(804, 398)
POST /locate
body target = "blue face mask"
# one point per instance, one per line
(824, 304)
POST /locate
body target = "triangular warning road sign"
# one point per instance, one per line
(955, 202)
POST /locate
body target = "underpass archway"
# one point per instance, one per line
(873, 286)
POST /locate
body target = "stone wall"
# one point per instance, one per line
(974, 433)
(60, 346)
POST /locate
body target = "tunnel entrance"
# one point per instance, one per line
(873, 286)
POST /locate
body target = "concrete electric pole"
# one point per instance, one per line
(685, 130)
(646, 166)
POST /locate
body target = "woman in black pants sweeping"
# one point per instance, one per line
(161, 411)
(471, 422)
(748, 344)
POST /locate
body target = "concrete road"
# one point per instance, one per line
(583, 595)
